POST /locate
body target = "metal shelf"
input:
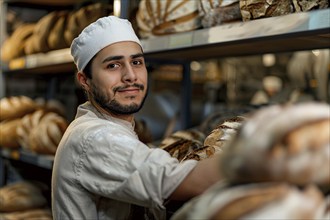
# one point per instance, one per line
(293, 32)
(44, 161)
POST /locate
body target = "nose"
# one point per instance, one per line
(129, 74)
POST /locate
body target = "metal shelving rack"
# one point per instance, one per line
(293, 32)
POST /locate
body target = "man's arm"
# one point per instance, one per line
(205, 174)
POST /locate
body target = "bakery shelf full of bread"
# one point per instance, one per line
(53, 31)
(303, 30)
(32, 126)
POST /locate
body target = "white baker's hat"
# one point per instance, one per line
(98, 35)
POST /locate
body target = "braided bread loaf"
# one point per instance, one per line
(41, 131)
(167, 17)
(282, 143)
(21, 196)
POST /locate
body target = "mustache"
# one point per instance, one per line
(136, 85)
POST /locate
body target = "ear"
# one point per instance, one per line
(83, 81)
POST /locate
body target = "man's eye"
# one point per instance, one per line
(112, 65)
(137, 62)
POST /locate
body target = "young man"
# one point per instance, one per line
(101, 169)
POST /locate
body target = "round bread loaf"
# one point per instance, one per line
(254, 201)
(167, 17)
(281, 143)
(217, 12)
(16, 107)
(13, 46)
(21, 196)
(254, 9)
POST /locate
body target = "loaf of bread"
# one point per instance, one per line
(308, 5)
(217, 12)
(16, 107)
(282, 143)
(41, 131)
(266, 201)
(8, 134)
(255, 9)
(78, 20)
(223, 132)
(37, 43)
(13, 46)
(55, 39)
(167, 17)
(20, 196)
(41, 214)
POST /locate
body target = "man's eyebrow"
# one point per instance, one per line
(112, 58)
(137, 55)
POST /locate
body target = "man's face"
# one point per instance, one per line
(119, 78)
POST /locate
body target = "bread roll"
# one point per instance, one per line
(21, 196)
(8, 134)
(16, 107)
(254, 201)
(13, 47)
(282, 143)
(167, 17)
(255, 9)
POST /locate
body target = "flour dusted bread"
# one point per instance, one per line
(254, 201)
(282, 143)
(16, 107)
(156, 18)
(308, 5)
(20, 196)
(255, 9)
(217, 12)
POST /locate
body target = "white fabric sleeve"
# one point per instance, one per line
(121, 167)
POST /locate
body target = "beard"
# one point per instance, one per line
(112, 105)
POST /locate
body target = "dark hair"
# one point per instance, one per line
(88, 69)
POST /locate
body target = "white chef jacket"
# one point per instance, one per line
(101, 168)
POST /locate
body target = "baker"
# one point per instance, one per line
(101, 169)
